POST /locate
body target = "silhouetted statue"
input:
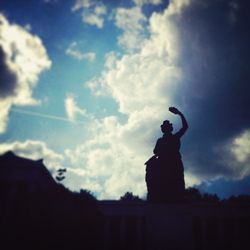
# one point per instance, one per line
(164, 171)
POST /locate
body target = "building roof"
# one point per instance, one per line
(15, 168)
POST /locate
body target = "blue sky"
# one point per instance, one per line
(86, 84)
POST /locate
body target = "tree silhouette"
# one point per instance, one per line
(128, 196)
(61, 174)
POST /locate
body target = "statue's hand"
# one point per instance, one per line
(174, 110)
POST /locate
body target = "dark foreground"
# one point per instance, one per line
(36, 213)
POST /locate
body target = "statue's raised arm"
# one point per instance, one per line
(184, 128)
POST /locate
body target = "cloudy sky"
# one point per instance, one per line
(85, 84)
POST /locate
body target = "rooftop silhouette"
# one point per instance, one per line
(38, 213)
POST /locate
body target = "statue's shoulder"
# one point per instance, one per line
(160, 140)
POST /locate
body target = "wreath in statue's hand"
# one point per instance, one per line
(174, 110)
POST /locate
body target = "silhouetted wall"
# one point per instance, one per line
(196, 226)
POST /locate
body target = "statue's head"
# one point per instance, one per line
(166, 127)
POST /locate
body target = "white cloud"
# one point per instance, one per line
(82, 4)
(191, 179)
(5, 106)
(22, 58)
(143, 2)
(147, 78)
(132, 23)
(34, 150)
(176, 6)
(72, 109)
(77, 179)
(241, 147)
(74, 52)
(107, 161)
(231, 161)
(93, 12)
(234, 156)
